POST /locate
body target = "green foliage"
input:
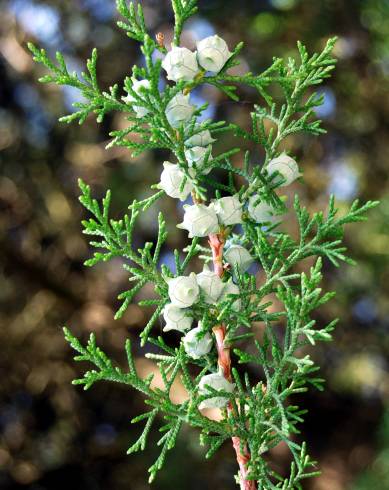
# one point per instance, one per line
(183, 10)
(296, 113)
(159, 399)
(97, 101)
(262, 415)
(134, 26)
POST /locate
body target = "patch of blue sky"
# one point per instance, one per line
(167, 259)
(38, 121)
(328, 108)
(343, 181)
(101, 10)
(199, 28)
(41, 21)
(198, 100)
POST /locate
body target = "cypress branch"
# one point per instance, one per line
(225, 304)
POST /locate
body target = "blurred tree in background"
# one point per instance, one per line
(52, 436)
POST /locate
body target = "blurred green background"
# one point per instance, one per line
(54, 436)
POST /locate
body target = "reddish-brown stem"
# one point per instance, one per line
(216, 242)
(243, 457)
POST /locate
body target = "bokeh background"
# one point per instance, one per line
(53, 435)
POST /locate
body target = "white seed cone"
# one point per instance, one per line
(210, 285)
(238, 256)
(287, 167)
(195, 346)
(203, 138)
(180, 64)
(176, 318)
(219, 383)
(179, 110)
(212, 53)
(184, 290)
(199, 220)
(229, 210)
(137, 87)
(261, 212)
(171, 180)
(196, 158)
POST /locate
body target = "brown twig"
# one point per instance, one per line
(216, 242)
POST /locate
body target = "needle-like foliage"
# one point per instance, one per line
(257, 411)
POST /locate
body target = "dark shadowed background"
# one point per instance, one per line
(53, 435)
